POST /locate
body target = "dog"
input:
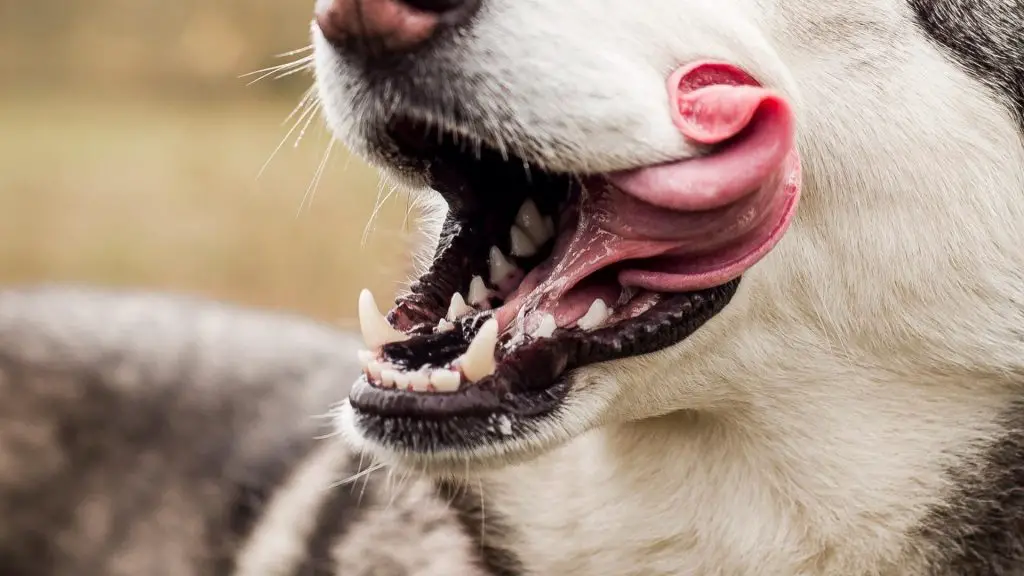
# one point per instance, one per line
(716, 288)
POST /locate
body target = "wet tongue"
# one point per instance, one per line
(685, 225)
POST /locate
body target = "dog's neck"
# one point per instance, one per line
(832, 491)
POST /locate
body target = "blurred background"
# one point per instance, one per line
(132, 154)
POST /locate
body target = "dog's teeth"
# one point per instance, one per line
(594, 317)
(521, 244)
(478, 361)
(445, 380)
(402, 380)
(458, 307)
(387, 378)
(374, 369)
(532, 223)
(365, 357)
(478, 293)
(419, 381)
(443, 325)
(501, 268)
(374, 326)
(549, 226)
(546, 327)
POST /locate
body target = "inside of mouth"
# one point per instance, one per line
(538, 273)
(499, 260)
(518, 291)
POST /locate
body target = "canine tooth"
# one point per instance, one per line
(458, 307)
(374, 326)
(522, 245)
(595, 316)
(549, 226)
(365, 357)
(478, 361)
(532, 223)
(445, 380)
(501, 268)
(387, 378)
(443, 325)
(546, 327)
(419, 381)
(478, 292)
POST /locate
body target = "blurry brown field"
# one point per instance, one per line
(129, 157)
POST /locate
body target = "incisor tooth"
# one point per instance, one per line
(478, 361)
(443, 325)
(381, 368)
(530, 221)
(546, 327)
(401, 380)
(521, 244)
(375, 368)
(374, 326)
(501, 268)
(445, 380)
(458, 307)
(387, 378)
(419, 381)
(478, 293)
(595, 316)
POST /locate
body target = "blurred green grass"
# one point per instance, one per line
(161, 194)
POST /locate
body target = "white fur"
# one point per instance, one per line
(278, 545)
(809, 426)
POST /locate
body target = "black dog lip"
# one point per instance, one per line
(531, 381)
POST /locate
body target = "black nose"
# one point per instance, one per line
(389, 25)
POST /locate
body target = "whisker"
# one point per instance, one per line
(307, 198)
(293, 71)
(378, 206)
(305, 48)
(298, 63)
(358, 475)
(308, 105)
(288, 68)
(309, 119)
(304, 102)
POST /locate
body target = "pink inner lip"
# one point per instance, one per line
(681, 226)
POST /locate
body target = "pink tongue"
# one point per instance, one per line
(697, 223)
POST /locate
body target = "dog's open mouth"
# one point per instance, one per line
(539, 273)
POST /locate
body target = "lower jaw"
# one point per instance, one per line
(529, 386)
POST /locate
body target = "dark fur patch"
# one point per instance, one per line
(486, 536)
(986, 37)
(337, 514)
(981, 530)
(142, 434)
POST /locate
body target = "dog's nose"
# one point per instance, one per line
(391, 25)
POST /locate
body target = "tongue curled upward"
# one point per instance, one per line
(680, 226)
(621, 244)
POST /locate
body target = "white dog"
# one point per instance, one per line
(720, 287)
(849, 407)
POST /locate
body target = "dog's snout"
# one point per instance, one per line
(389, 25)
